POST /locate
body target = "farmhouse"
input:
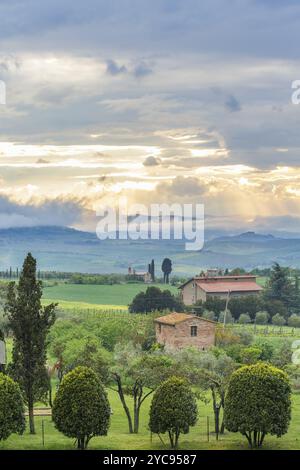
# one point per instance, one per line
(179, 330)
(139, 275)
(204, 287)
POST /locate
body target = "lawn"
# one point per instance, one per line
(119, 438)
(117, 294)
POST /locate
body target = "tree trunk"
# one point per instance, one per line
(249, 439)
(50, 395)
(222, 429)
(31, 417)
(124, 404)
(177, 434)
(216, 408)
(171, 437)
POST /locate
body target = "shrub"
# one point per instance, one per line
(283, 354)
(267, 350)
(244, 318)
(246, 337)
(258, 402)
(12, 418)
(278, 320)
(262, 318)
(173, 409)
(294, 321)
(209, 315)
(229, 317)
(251, 355)
(81, 409)
(225, 337)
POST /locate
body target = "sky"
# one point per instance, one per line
(159, 101)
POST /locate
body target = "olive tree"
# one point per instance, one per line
(262, 318)
(258, 402)
(81, 409)
(173, 409)
(278, 320)
(12, 418)
(136, 375)
(209, 373)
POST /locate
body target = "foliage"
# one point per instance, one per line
(278, 320)
(83, 352)
(244, 318)
(214, 304)
(106, 329)
(209, 315)
(173, 410)
(249, 304)
(229, 317)
(166, 268)
(29, 322)
(12, 419)
(137, 375)
(294, 321)
(250, 355)
(262, 318)
(258, 403)
(283, 355)
(280, 286)
(267, 350)
(81, 409)
(245, 336)
(226, 336)
(155, 299)
(209, 372)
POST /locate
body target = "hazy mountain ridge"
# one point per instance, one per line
(67, 249)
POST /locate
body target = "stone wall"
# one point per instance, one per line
(179, 336)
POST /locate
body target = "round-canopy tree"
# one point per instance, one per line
(258, 403)
(81, 409)
(12, 418)
(173, 409)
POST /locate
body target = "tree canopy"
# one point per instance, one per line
(173, 409)
(154, 299)
(81, 409)
(29, 322)
(258, 403)
(12, 419)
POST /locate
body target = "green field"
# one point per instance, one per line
(119, 438)
(117, 294)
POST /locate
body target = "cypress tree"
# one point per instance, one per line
(30, 323)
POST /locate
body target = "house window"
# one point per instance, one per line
(193, 331)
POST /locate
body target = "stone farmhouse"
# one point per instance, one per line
(179, 330)
(204, 287)
(139, 275)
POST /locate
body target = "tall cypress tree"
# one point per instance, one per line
(30, 323)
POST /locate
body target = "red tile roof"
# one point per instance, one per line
(174, 318)
(219, 278)
(243, 286)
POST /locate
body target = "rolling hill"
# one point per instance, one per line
(66, 249)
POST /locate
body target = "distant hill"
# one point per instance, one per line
(66, 249)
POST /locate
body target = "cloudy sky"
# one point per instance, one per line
(159, 101)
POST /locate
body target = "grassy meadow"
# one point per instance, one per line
(119, 438)
(116, 294)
